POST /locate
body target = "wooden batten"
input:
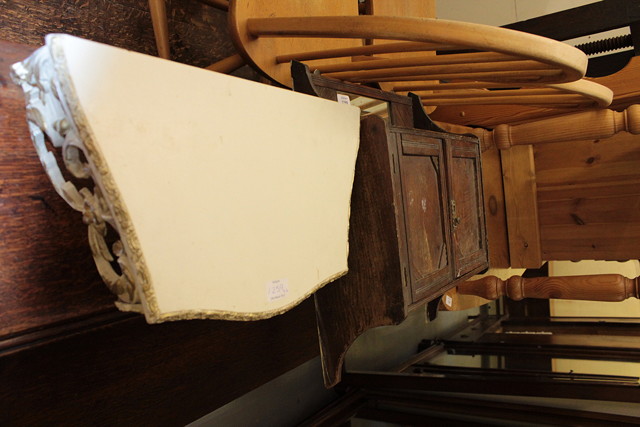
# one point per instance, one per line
(495, 210)
(519, 178)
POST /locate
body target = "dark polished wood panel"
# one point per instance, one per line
(130, 373)
(47, 274)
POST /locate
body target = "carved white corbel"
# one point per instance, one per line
(213, 197)
(49, 118)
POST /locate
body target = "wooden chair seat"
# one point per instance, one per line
(482, 64)
(390, 46)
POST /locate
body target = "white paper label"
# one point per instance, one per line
(277, 289)
(448, 300)
(343, 99)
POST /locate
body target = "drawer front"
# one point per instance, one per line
(422, 174)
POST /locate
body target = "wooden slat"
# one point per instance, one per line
(593, 210)
(426, 70)
(588, 161)
(416, 9)
(495, 209)
(227, 65)
(519, 178)
(490, 116)
(160, 27)
(630, 187)
(397, 47)
(420, 85)
(261, 51)
(625, 85)
(566, 100)
(422, 9)
(218, 4)
(482, 75)
(615, 242)
(587, 153)
(444, 92)
(422, 60)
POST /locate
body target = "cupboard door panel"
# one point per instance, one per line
(424, 200)
(467, 223)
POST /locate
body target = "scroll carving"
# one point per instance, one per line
(50, 119)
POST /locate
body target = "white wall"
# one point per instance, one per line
(501, 12)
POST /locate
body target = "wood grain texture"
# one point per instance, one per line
(569, 61)
(426, 212)
(469, 241)
(260, 52)
(131, 373)
(599, 287)
(588, 195)
(495, 209)
(591, 210)
(158, 11)
(624, 84)
(372, 293)
(198, 33)
(609, 241)
(519, 179)
(416, 9)
(593, 124)
(584, 162)
(400, 236)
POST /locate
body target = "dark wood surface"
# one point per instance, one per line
(465, 188)
(372, 293)
(400, 236)
(425, 205)
(198, 33)
(47, 274)
(524, 349)
(418, 408)
(67, 356)
(129, 373)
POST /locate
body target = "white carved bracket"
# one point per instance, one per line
(213, 197)
(49, 118)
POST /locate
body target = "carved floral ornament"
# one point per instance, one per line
(49, 118)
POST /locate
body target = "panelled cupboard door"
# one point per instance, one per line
(466, 206)
(424, 198)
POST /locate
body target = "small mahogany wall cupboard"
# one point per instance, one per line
(417, 222)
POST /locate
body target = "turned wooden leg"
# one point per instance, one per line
(160, 26)
(218, 4)
(599, 287)
(594, 124)
(227, 65)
